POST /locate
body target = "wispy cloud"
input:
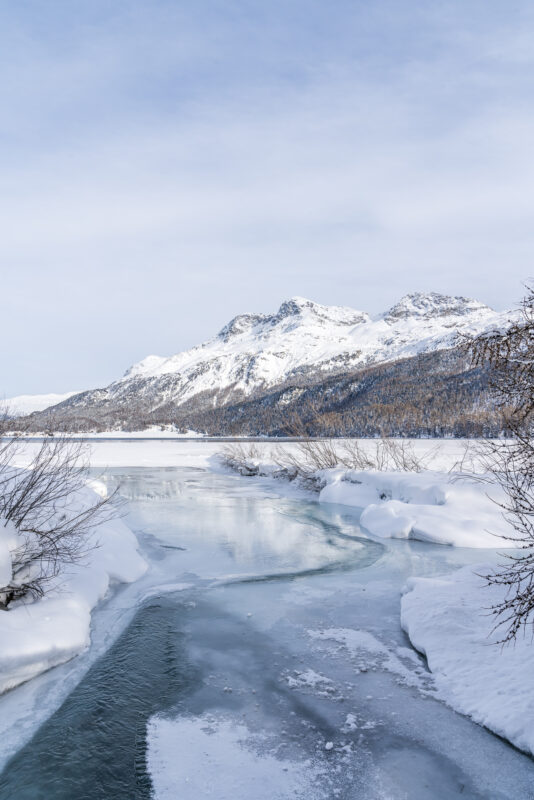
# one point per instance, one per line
(166, 165)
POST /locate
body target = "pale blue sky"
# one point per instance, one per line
(167, 165)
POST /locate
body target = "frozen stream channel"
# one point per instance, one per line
(261, 657)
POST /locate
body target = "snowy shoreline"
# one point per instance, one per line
(40, 634)
(446, 617)
(447, 620)
(443, 616)
(429, 506)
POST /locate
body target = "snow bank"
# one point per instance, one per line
(429, 506)
(445, 620)
(153, 432)
(8, 542)
(425, 506)
(35, 636)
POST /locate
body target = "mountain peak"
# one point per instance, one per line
(240, 324)
(146, 365)
(294, 348)
(339, 315)
(295, 305)
(431, 304)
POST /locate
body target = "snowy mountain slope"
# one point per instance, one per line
(302, 342)
(257, 351)
(28, 403)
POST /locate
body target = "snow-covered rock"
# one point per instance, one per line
(447, 620)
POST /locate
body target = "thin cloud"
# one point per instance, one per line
(199, 164)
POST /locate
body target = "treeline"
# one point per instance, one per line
(434, 394)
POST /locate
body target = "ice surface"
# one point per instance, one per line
(221, 759)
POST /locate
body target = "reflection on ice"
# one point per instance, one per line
(223, 534)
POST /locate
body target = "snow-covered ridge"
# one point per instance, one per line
(430, 305)
(255, 351)
(303, 341)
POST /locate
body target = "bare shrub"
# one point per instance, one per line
(312, 455)
(43, 504)
(466, 464)
(241, 458)
(510, 464)
(304, 460)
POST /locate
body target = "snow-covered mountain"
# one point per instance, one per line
(255, 351)
(302, 343)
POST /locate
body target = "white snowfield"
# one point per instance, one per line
(28, 403)
(35, 636)
(446, 620)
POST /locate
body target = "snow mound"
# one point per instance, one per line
(424, 506)
(445, 619)
(38, 635)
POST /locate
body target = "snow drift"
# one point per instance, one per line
(446, 620)
(35, 636)
(426, 506)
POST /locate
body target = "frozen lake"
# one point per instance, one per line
(261, 657)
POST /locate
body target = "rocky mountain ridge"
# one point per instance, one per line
(299, 346)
